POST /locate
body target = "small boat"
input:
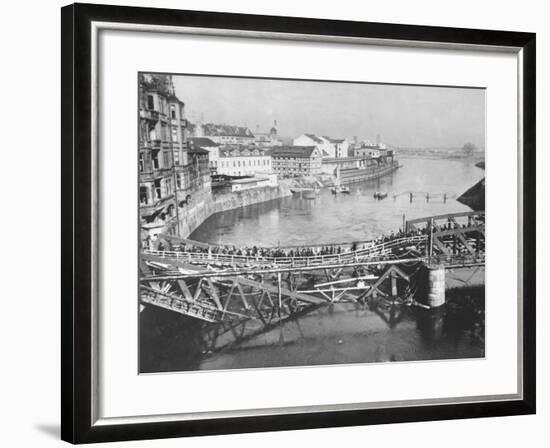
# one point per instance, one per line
(341, 189)
(380, 194)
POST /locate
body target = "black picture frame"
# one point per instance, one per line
(76, 232)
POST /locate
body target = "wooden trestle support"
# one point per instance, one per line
(237, 300)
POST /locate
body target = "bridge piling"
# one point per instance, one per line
(430, 290)
(436, 287)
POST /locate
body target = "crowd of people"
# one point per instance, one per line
(298, 252)
(277, 251)
(255, 252)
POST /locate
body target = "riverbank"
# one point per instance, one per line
(351, 176)
(358, 216)
(218, 203)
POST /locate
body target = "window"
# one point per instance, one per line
(175, 133)
(158, 190)
(155, 158)
(143, 196)
(141, 163)
(150, 102)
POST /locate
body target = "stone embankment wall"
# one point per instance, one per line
(361, 175)
(201, 210)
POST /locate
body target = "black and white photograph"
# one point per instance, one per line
(267, 224)
(297, 222)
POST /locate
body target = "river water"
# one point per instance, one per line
(355, 217)
(343, 332)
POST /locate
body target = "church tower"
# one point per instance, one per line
(273, 130)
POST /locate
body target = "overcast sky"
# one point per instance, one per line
(402, 115)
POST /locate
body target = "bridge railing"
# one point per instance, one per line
(449, 222)
(457, 260)
(425, 219)
(375, 250)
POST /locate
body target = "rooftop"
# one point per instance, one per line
(198, 151)
(333, 140)
(202, 142)
(293, 151)
(242, 151)
(215, 130)
(314, 138)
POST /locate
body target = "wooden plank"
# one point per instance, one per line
(383, 277)
(214, 293)
(460, 236)
(275, 290)
(440, 245)
(347, 280)
(185, 290)
(454, 231)
(399, 272)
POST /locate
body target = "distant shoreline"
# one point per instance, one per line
(477, 157)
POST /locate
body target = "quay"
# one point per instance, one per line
(351, 170)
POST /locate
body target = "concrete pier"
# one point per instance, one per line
(436, 287)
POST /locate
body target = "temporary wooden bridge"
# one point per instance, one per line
(239, 296)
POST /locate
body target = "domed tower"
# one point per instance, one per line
(273, 130)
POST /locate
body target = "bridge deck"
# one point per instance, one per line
(242, 286)
(370, 252)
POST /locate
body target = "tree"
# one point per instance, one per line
(469, 148)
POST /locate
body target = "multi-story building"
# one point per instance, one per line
(224, 134)
(210, 146)
(373, 151)
(329, 147)
(293, 161)
(170, 174)
(313, 140)
(338, 147)
(243, 161)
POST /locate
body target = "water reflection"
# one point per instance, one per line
(339, 333)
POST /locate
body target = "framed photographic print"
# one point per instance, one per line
(274, 223)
